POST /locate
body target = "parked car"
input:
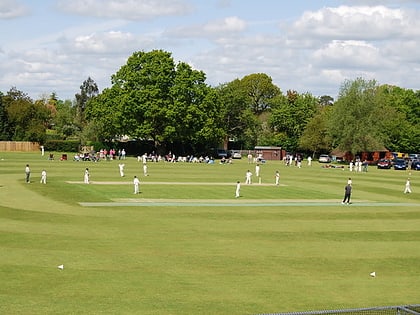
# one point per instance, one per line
(324, 158)
(235, 154)
(399, 164)
(413, 156)
(415, 165)
(384, 164)
(221, 153)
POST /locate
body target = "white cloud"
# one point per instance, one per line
(313, 52)
(229, 24)
(125, 9)
(38, 70)
(348, 54)
(322, 49)
(403, 51)
(232, 58)
(359, 41)
(381, 2)
(361, 22)
(212, 29)
(10, 9)
(103, 43)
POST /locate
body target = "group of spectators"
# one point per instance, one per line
(172, 158)
(121, 154)
(100, 155)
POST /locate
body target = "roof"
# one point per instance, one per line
(337, 152)
(267, 148)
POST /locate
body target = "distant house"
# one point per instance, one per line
(270, 153)
(339, 155)
(376, 155)
(368, 156)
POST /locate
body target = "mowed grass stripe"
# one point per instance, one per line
(237, 204)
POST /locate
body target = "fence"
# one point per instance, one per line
(386, 310)
(21, 146)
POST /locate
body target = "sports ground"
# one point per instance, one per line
(186, 245)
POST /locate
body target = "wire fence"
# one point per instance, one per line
(385, 310)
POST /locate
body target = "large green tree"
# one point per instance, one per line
(259, 91)
(241, 123)
(248, 102)
(5, 130)
(88, 90)
(152, 98)
(315, 135)
(107, 113)
(290, 115)
(359, 117)
(138, 99)
(28, 119)
(402, 128)
(195, 112)
(64, 119)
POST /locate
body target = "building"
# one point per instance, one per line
(371, 157)
(269, 153)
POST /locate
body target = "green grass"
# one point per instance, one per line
(203, 260)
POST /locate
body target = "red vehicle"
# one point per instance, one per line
(384, 164)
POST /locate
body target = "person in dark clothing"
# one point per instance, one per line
(347, 194)
(27, 174)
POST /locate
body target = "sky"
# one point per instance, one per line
(52, 46)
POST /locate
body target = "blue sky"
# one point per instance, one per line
(305, 45)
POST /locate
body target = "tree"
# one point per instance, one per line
(50, 103)
(290, 114)
(315, 135)
(326, 100)
(107, 113)
(260, 91)
(359, 118)
(88, 90)
(194, 115)
(152, 98)
(28, 120)
(64, 119)
(143, 85)
(248, 102)
(5, 130)
(240, 122)
(402, 127)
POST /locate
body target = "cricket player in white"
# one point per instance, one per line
(86, 177)
(43, 177)
(248, 177)
(121, 166)
(277, 178)
(238, 189)
(136, 183)
(407, 187)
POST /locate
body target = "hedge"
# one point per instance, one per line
(62, 145)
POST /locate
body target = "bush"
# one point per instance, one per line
(97, 145)
(62, 145)
(53, 136)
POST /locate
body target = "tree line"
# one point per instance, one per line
(152, 98)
